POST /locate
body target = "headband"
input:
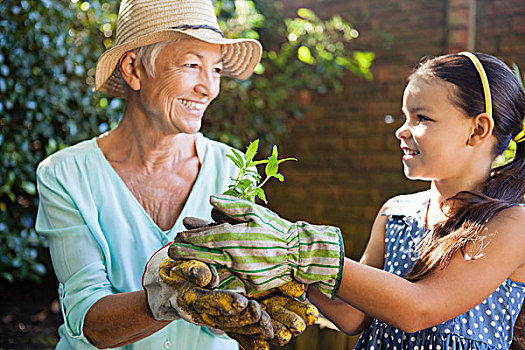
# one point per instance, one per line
(486, 89)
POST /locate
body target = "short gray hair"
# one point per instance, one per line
(147, 55)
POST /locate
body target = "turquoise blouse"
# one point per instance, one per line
(100, 237)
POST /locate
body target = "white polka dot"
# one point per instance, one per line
(481, 318)
(457, 326)
(485, 330)
(493, 324)
(481, 336)
(469, 332)
(488, 312)
(493, 306)
(500, 299)
(496, 335)
(438, 347)
(412, 339)
(476, 325)
(434, 329)
(489, 341)
(464, 320)
(484, 301)
(447, 330)
(496, 317)
(372, 347)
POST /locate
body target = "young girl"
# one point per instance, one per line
(453, 256)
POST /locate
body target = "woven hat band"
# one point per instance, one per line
(202, 26)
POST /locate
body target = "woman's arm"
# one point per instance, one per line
(120, 319)
(92, 309)
(347, 318)
(412, 306)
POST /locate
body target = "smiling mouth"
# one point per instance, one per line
(192, 105)
(409, 152)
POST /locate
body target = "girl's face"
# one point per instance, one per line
(434, 137)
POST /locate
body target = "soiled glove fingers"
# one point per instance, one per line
(173, 291)
(275, 306)
(178, 273)
(281, 334)
(248, 342)
(191, 223)
(287, 294)
(250, 316)
(260, 330)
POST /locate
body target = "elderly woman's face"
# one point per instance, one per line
(187, 79)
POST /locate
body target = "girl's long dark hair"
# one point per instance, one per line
(506, 184)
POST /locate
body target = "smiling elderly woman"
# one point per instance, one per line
(109, 203)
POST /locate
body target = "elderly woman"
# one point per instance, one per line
(109, 203)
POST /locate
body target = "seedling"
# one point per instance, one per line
(247, 185)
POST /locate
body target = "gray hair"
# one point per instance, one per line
(146, 55)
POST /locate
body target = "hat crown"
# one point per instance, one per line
(140, 17)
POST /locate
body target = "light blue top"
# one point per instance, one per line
(487, 326)
(100, 237)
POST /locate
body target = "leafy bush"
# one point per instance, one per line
(48, 53)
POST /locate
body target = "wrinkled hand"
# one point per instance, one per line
(174, 290)
(264, 251)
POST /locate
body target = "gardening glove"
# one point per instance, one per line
(290, 317)
(265, 251)
(174, 290)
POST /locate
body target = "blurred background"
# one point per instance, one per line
(328, 92)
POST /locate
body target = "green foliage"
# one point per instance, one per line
(48, 54)
(302, 56)
(247, 184)
(509, 153)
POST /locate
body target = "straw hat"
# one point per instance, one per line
(145, 22)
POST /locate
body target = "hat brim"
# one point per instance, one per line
(240, 56)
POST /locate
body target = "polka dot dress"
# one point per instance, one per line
(489, 325)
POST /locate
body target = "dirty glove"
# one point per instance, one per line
(290, 317)
(174, 290)
(266, 251)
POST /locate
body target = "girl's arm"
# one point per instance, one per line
(412, 306)
(347, 318)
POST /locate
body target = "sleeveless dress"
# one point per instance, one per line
(489, 325)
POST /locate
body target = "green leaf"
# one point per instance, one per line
(254, 174)
(274, 151)
(238, 156)
(251, 151)
(272, 166)
(260, 193)
(232, 192)
(235, 161)
(257, 162)
(285, 159)
(279, 176)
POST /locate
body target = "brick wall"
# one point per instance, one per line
(349, 160)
